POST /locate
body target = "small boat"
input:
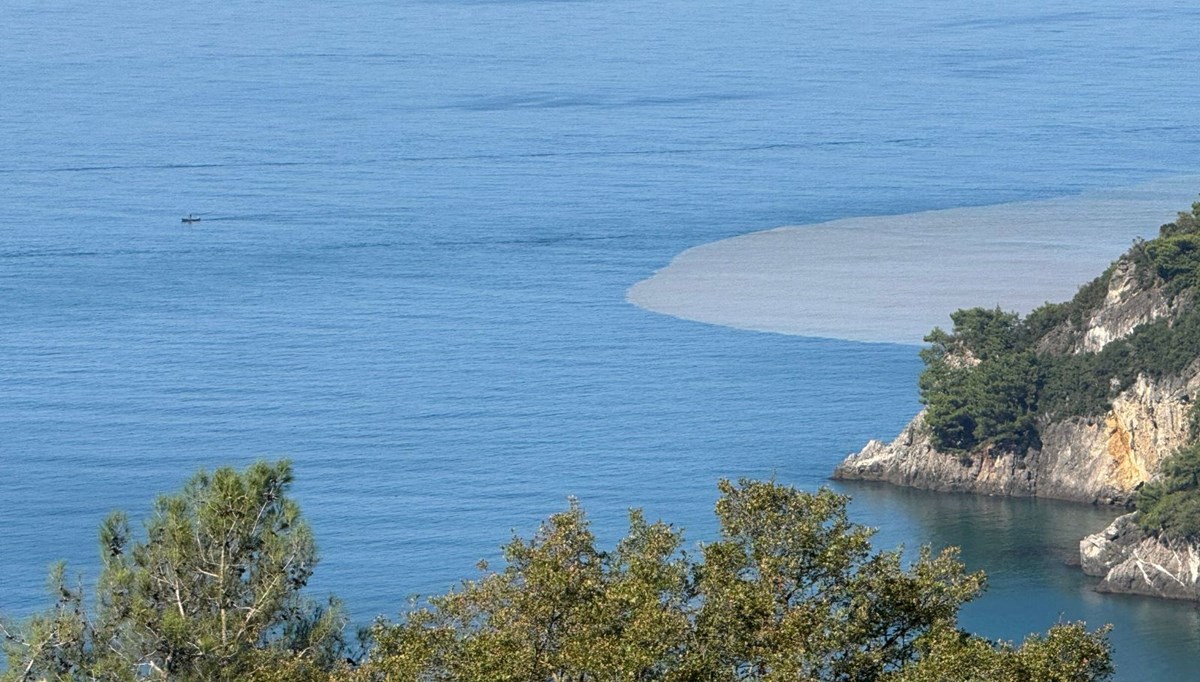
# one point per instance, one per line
(190, 218)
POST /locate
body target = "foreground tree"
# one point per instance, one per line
(560, 610)
(790, 591)
(1068, 653)
(211, 593)
(793, 590)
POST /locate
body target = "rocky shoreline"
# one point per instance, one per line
(1095, 461)
(1129, 560)
(1102, 459)
(1099, 460)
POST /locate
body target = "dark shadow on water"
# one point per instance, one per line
(983, 526)
(1029, 550)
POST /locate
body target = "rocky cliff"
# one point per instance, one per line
(1101, 458)
(1082, 401)
(1096, 460)
(1127, 304)
(1128, 559)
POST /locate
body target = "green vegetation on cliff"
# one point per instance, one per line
(1170, 504)
(981, 383)
(996, 377)
(791, 589)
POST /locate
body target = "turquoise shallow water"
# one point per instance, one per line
(420, 221)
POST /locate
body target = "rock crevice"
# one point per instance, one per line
(1129, 560)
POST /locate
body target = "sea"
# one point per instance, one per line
(421, 220)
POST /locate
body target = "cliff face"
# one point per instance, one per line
(1129, 560)
(1126, 305)
(911, 460)
(1001, 393)
(1084, 460)
(1098, 460)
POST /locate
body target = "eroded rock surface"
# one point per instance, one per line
(1099, 460)
(1126, 306)
(1130, 560)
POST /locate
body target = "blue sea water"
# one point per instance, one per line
(419, 222)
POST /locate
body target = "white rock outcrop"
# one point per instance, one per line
(1130, 560)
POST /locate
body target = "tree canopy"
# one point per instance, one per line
(981, 383)
(790, 589)
(212, 591)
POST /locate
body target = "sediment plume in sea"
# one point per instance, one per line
(893, 278)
